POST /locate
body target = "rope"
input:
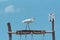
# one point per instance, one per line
(20, 37)
(31, 36)
(43, 36)
(25, 36)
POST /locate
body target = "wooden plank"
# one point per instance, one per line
(30, 31)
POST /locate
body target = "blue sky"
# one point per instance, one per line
(14, 11)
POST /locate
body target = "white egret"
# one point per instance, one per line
(28, 21)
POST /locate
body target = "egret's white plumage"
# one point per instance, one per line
(28, 20)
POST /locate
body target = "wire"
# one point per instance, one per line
(43, 36)
(25, 36)
(31, 36)
(20, 37)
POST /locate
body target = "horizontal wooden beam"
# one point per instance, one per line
(30, 32)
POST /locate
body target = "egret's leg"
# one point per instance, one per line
(28, 27)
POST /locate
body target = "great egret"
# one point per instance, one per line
(27, 21)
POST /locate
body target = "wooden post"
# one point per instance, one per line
(9, 30)
(53, 33)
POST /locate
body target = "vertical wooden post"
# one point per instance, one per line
(53, 33)
(9, 30)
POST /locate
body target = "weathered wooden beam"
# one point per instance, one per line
(32, 31)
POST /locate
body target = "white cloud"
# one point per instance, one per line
(11, 9)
